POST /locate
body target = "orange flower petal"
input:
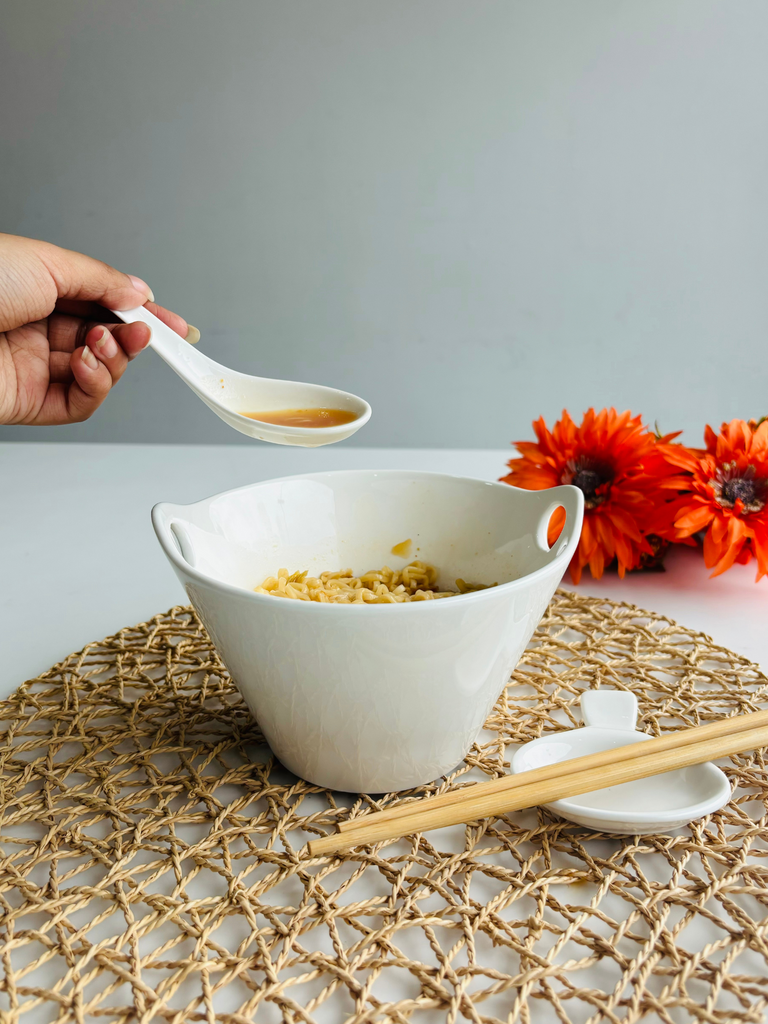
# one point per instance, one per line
(726, 561)
(530, 450)
(719, 529)
(624, 522)
(674, 483)
(624, 554)
(646, 476)
(539, 480)
(760, 544)
(733, 543)
(605, 537)
(679, 456)
(588, 541)
(694, 520)
(597, 562)
(556, 524)
(713, 550)
(760, 439)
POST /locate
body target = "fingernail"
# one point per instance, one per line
(90, 359)
(193, 335)
(143, 287)
(106, 344)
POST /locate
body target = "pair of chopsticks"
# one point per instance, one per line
(558, 781)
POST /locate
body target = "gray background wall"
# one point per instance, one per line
(471, 212)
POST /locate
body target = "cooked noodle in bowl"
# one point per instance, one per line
(416, 582)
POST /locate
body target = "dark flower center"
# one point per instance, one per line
(747, 488)
(588, 480)
(590, 476)
(741, 490)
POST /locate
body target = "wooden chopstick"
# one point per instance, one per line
(573, 780)
(654, 745)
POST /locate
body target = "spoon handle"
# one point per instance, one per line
(179, 354)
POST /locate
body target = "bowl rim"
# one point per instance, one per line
(689, 812)
(173, 554)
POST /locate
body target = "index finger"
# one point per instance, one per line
(95, 313)
(86, 310)
(80, 277)
(173, 320)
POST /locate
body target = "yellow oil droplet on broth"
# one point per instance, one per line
(403, 549)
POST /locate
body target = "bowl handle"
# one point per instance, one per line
(571, 499)
(172, 534)
(183, 542)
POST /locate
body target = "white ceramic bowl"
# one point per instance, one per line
(381, 697)
(657, 804)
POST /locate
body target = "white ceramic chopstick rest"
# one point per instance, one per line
(653, 805)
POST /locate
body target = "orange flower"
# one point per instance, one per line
(609, 457)
(723, 490)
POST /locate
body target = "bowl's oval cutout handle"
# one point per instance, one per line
(183, 543)
(542, 532)
(571, 501)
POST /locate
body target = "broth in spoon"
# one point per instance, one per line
(304, 417)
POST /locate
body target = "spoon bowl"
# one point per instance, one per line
(232, 395)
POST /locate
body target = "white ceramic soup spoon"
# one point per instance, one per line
(231, 394)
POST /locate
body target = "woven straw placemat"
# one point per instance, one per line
(153, 862)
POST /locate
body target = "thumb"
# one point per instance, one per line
(83, 278)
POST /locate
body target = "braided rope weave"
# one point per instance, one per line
(153, 863)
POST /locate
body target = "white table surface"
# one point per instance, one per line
(79, 558)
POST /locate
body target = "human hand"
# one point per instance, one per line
(60, 350)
